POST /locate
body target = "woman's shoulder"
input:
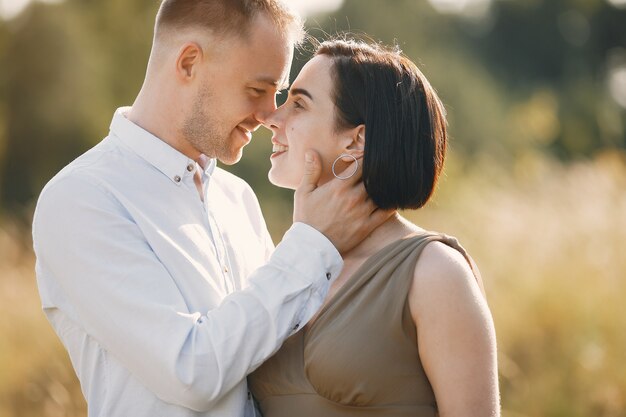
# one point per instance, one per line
(441, 261)
(443, 258)
(444, 275)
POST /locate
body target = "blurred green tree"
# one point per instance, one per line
(69, 67)
(523, 77)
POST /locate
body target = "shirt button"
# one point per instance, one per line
(297, 326)
(226, 270)
(190, 167)
(328, 276)
(177, 178)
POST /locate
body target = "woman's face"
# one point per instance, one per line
(307, 121)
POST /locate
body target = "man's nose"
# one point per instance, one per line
(273, 120)
(265, 110)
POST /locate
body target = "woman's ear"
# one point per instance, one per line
(358, 139)
(360, 136)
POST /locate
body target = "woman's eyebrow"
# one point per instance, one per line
(301, 92)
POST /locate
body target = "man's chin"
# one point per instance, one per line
(231, 159)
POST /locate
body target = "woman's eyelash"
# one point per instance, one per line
(297, 104)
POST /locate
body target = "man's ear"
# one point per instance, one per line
(188, 61)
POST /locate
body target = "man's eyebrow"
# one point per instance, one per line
(301, 92)
(279, 85)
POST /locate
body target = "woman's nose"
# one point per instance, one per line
(273, 119)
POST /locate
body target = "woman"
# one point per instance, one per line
(405, 330)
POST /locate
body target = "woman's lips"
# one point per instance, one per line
(279, 148)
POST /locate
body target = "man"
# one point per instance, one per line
(153, 265)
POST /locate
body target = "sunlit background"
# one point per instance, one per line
(535, 182)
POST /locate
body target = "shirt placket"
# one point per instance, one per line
(218, 240)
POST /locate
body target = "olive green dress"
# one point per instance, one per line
(360, 356)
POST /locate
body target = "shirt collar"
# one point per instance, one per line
(207, 164)
(156, 152)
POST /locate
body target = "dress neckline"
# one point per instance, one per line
(349, 284)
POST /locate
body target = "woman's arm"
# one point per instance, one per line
(455, 334)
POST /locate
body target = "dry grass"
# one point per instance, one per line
(36, 378)
(548, 240)
(549, 244)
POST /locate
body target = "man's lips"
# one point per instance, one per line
(246, 132)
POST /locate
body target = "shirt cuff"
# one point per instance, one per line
(311, 258)
(310, 237)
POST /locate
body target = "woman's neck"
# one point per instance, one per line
(395, 228)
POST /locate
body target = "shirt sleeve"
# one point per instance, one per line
(114, 286)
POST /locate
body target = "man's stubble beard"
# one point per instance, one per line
(201, 130)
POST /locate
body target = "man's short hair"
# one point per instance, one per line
(226, 17)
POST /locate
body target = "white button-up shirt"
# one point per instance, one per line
(165, 302)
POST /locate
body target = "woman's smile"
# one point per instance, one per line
(278, 149)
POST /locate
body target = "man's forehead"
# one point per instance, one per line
(268, 62)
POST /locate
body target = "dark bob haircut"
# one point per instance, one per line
(405, 124)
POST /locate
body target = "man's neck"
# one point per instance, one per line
(157, 121)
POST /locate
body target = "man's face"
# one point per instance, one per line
(237, 90)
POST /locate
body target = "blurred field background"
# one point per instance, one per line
(535, 183)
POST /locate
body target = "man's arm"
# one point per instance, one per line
(115, 287)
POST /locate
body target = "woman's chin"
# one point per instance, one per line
(279, 181)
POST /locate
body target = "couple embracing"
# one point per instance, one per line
(157, 272)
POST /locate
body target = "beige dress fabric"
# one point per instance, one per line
(360, 356)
